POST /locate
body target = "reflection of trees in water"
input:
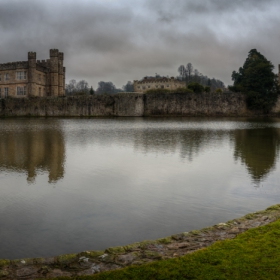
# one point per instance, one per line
(29, 150)
(188, 142)
(258, 149)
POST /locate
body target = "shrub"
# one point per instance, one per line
(158, 90)
(196, 87)
(207, 89)
(182, 90)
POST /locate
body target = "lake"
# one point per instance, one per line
(71, 185)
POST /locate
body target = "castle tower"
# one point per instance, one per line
(54, 77)
(60, 74)
(135, 84)
(64, 73)
(31, 73)
(279, 73)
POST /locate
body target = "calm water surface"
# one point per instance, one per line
(69, 185)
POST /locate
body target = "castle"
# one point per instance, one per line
(157, 83)
(33, 77)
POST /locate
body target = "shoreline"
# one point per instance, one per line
(177, 245)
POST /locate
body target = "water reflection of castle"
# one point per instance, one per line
(33, 150)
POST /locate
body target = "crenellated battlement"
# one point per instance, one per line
(60, 56)
(43, 63)
(41, 78)
(42, 68)
(31, 55)
(54, 52)
(157, 82)
(14, 65)
(148, 80)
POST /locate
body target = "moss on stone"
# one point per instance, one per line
(152, 255)
(250, 216)
(4, 273)
(4, 262)
(92, 254)
(38, 260)
(115, 250)
(20, 262)
(273, 207)
(132, 247)
(66, 259)
(195, 232)
(144, 244)
(207, 229)
(165, 240)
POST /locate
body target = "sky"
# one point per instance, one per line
(125, 40)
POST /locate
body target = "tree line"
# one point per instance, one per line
(186, 73)
(82, 88)
(256, 80)
(190, 75)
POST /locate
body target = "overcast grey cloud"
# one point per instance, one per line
(123, 40)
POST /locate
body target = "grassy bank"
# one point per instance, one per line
(251, 255)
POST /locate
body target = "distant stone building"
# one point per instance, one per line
(33, 77)
(157, 83)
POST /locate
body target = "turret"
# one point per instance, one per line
(31, 73)
(54, 68)
(135, 84)
(279, 73)
(60, 74)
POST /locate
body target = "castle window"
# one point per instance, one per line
(7, 77)
(148, 86)
(6, 91)
(21, 90)
(156, 86)
(39, 77)
(0, 93)
(138, 87)
(0, 77)
(39, 91)
(167, 85)
(21, 75)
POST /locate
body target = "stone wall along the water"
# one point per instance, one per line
(130, 105)
(193, 104)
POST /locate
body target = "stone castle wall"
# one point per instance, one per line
(39, 77)
(129, 105)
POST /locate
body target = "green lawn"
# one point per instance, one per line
(254, 255)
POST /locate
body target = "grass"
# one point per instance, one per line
(254, 254)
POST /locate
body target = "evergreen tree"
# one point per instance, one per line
(91, 91)
(257, 81)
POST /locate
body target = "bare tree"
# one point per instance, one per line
(189, 71)
(190, 75)
(182, 72)
(77, 88)
(70, 87)
(82, 86)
